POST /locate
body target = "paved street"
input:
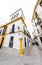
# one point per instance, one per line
(34, 57)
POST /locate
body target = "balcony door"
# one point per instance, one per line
(11, 42)
(13, 28)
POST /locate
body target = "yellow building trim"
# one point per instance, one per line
(21, 51)
(23, 22)
(2, 35)
(14, 33)
(3, 41)
(20, 18)
(35, 10)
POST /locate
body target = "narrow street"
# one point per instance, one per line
(33, 58)
(35, 51)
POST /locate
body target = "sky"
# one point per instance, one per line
(7, 7)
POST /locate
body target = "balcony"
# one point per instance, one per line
(39, 21)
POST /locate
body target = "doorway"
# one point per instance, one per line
(25, 41)
(11, 42)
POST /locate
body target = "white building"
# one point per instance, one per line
(14, 34)
(37, 22)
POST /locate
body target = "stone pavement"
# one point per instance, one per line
(33, 58)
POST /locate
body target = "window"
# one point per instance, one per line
(25, 41)
(41, 26)
(11, 42)
(36, 15)
(39, 21)
(41, 3)
(41, 39)
(28, 34)
(4, 30)
(38, 31)
(35, 24)
(13, 28)
(18, 27)
(0, 32)
(28, 42)
(24, 30)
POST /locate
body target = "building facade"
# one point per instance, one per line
(37, 22)
(15, 34)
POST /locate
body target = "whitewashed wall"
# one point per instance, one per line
(17, 23)
(16, 42)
